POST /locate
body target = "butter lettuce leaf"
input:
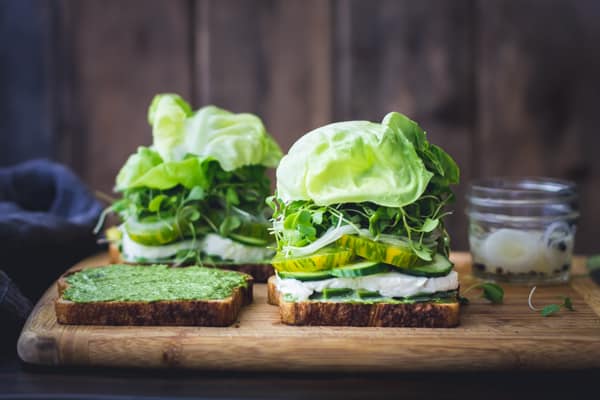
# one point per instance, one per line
(167, 115)
(234, 140)
(436, 160)
(189, 173)
(353, 162)
(137, 165)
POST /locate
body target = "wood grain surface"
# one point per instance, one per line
(490, 337)
(507, 87)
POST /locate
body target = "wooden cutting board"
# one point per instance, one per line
(490, 337)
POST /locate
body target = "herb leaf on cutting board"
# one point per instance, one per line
(550, 309)
(489, 290)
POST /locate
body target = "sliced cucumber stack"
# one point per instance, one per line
(252, 234)
(324, 259)
(360, 269)
(329, 293)
(396, 255)
(306, 276)
(249, 240)
(153, 231)
(440, 266)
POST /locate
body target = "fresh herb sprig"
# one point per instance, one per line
(489, 290)
(550, 309)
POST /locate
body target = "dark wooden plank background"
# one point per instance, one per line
(507, 87)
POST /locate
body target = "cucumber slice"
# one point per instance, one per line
(328, 293)
(397, 255)
(249, 240)
(326, 258)
(152, 231)
(113, 234)
(367, 294)
(440, 266)
(252, 233)
(305, 276)
(360, 269)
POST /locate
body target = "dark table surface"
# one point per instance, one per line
(18, 380)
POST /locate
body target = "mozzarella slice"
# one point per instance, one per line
(211, 244)
(390, 284)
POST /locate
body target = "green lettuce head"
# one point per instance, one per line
(361, 161)
(184, 142)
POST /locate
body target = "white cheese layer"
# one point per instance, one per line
(390, 284)
(212, 245)
(227, 249)
(133, 251)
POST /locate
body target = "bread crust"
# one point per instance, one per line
(417, 315)
(260, 272)
(173, 312)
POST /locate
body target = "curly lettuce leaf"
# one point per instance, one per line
(353, 162)
(234, 140)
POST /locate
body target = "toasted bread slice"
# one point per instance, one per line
(260, 272)
(418, 315)
(222, 312)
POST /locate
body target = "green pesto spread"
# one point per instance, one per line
(151, 283)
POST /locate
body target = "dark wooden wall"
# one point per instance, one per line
(508, 87)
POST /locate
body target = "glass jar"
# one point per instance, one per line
(522, 230)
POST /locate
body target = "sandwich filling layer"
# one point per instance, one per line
(211, 245)
(198, 193)
(387, 285)
(151, 283)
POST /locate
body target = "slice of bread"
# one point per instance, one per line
(222, 312)
(418, 315)
(260, 272)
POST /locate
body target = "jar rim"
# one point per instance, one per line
(525, 190)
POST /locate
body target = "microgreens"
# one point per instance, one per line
(550, 309)
(299, 223)
(229, 202)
